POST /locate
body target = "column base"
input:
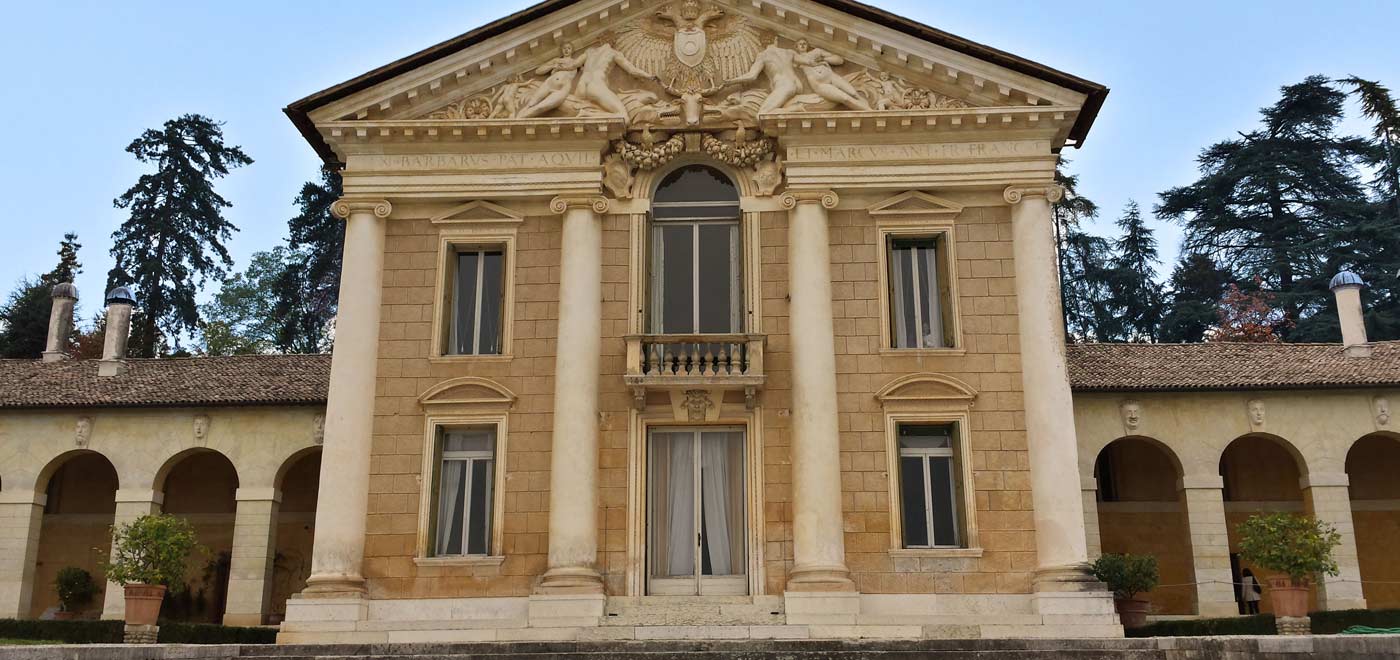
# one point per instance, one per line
(564, 610)
(838, 608)
(1074, 577)
(334, 586)
(820, 578)
(570, 580)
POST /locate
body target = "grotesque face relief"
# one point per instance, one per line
(567, 50)
(1132, 415)
(802, 45)
(1382, 406)
(1256, 412)
(201, 429)
(83, 432)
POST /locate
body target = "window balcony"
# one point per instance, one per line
(687, 362)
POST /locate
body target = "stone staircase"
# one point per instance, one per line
(647, 611)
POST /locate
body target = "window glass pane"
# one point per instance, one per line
(696, 183)
(716, 273)
(451, 502)
(470, 440)
(492, 290)
(902, 298)
(930, 330)
(464, 302)
(945, 526)
(676, 282)
(672, 494)
(916, 317)
(913, 501)
(923, 436)
(479, 514)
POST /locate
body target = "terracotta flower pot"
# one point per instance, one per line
(1288, 596)
(143, 603)
(1132, 612)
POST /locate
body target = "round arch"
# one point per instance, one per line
(298, 481)
(1371, 465)
(1140, 511)
(1260, 473)
(200, 485)
(647, 181)
(80, 488)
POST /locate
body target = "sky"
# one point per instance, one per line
(85, 78)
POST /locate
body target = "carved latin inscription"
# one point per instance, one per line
(498, 161)
(919, 152)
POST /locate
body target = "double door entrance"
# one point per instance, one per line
(696, 517)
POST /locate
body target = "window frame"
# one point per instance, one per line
(742, 268)
(965, 511)
(450, 244)
(942, 232)
(926, 456)
(435, 428)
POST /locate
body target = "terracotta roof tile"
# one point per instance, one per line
(1222, 366)
(197, 381)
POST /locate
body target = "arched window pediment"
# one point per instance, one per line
(467, 390)
(926, 388)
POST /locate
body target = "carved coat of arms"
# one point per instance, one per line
(690, 48)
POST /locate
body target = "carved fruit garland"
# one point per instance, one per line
(647, 158)
(735, 153)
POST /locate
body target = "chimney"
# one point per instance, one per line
(119, 306)
(64, 296)
(1346, 286)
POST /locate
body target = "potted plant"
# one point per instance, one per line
(1127, 576)
(75, 589)
(148, 555)
(1299, 547)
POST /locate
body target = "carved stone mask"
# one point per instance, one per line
(1382, 411)
(201, 427)
(1256, 412)
(82, 433)
(1132, 414)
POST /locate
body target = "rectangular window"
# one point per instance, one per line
(477, 303)
(918, 294)
(465, 474)
(928, 486)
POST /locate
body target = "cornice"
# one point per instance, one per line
(1050, 119)
(470, 130)
(1052, 192)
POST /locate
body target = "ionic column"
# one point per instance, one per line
(1204, 496)
(343, 498)
(250, 566)
(573, 462)
(21, 516)
(1328, 498)
(1061, 547)
(819, 546)
(132, 503)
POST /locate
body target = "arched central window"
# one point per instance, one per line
(696, 255)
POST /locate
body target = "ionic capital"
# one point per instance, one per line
(827, 198)
(563, 204)
(345, 206)
(1052, 192)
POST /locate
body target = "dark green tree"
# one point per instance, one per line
(1137, 295)
(1379, 259)
(24, 317)
(239, 320)
(308, 288)
(1084, 264)
(1283, 202)
(173, 240)
(1193, 304)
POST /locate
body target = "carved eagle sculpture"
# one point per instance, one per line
(691, 49)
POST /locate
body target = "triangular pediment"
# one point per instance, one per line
(914, 202)
(478, 212)
(684, 64)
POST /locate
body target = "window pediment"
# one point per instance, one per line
(926, 388)
(478, 212)
(914, 203)
(469, 391)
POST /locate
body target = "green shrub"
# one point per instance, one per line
(1259, 624)
(75, 588)
(110, 632)
(1295, 545)
(66, 632)
(1126, 575)
(1331, 623)
(151, 550)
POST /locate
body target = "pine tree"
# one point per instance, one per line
(1378, 261)
(1083, 260)
(308, 288)
(24, 318)
(1136, 293)
(1279, 203)
(1197, 285)
(174, 239)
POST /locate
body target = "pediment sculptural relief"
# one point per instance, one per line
(692, 64)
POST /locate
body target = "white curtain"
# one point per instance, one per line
(449, 517)
(933, 333)
(680, 505)
(714, 486)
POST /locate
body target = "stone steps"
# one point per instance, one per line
(647, 611)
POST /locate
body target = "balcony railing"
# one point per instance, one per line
(678, 362)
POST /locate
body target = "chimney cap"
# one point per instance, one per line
(121, 294)
(64, 290)
(1345, 278)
